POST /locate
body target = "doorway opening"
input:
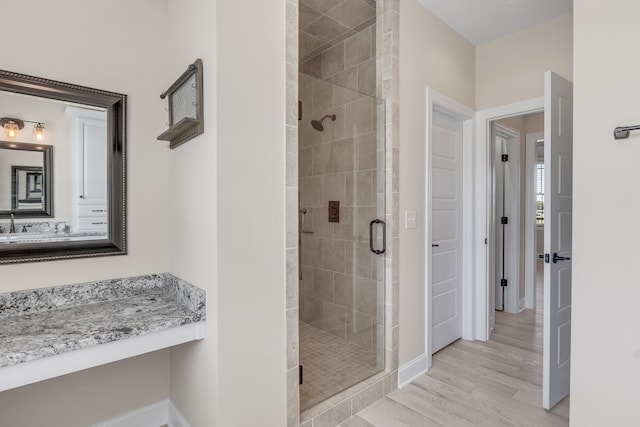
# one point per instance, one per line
(517, 216)
(556, 202)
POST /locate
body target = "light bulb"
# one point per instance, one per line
(38, 132)
(11, 130)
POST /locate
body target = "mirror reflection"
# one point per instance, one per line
(23, 179)
(55, 191)
(26, 188)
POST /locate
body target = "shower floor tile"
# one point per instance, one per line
(331, 364)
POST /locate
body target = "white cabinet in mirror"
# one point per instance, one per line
(89, 134)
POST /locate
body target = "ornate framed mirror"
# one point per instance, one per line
(71, 204)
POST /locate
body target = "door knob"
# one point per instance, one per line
(435, 245)
(557, 258)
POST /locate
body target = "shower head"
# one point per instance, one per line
(317, 124)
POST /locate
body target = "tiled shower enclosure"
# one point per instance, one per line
(342, 292)
(341, 277)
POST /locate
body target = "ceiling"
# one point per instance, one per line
(480, 21)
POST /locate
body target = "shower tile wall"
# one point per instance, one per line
(342, 286)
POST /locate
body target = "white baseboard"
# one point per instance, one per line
(412, 370)
(522, 305)
(176, 419)
(154, 415)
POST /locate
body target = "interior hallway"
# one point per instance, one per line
(494, 383)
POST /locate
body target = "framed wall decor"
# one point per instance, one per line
(185, 105)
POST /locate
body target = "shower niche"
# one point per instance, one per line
(341, 168)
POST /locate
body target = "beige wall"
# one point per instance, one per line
(122, 62)
(605, 347)
(512, 68)
(534, 123)
(431, 55)
(66, 42)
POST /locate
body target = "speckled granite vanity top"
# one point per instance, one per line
(50, 321)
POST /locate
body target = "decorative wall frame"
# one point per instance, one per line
(185, 106)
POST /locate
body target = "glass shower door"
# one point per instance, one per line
(342, 208)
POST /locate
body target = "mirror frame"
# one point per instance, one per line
(47, 164)
(116, 106)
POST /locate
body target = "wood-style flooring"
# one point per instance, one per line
(494, 383)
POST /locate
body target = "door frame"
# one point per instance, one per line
(484, 244)
(531, 229)
(435, 101)
(513, 299)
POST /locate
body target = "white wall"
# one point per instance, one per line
(90, 396)
(251, 87)
(193, 207)
(431, 55)
(605, 347)
(512, 68)
(117, 46)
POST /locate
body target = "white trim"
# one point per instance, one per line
(53, 366)
(522, 304)
(154, 415)
(482, 182)
(442, 103)
(512, 190)
(412, 370)
(530, 227)
(176, 419)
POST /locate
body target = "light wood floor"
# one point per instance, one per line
(494, 383)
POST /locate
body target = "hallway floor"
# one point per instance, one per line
(494, 383)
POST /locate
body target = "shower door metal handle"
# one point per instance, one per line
(384, 236)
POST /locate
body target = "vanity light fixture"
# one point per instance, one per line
(38, 132)
(12, 126)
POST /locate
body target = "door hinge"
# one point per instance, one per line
(299, 110)
(505, 158)
(503, 282)
(504, 220)
(546, 258)
(301, 377)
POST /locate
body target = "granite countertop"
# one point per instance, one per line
(51, 321)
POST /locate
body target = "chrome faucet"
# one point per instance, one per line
(12, 228)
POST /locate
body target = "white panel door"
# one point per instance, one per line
(558, 161)
(446, 230)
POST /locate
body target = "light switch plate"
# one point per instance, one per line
(410, 220)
